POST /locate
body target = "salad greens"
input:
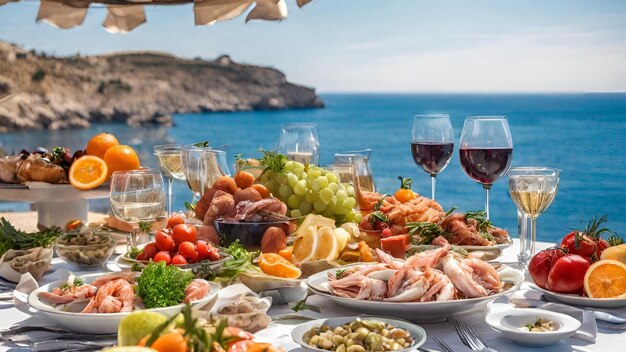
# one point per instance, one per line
(161, 285)
(241, 261)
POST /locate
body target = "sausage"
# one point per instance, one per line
(274, 240)
(250, 194)
(208, 233)
(204, 203)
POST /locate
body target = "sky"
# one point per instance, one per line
(477, 46)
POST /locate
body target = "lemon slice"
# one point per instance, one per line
(315, 221)
(327, 244)
(342, 237)
(304, 247)
(352, 229)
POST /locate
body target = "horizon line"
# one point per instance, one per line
(331, 92)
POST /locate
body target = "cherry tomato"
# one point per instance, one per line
(579, 243)
(203, 249)
(386, 233)
(164, 241)
(184, 233)
(174, 220)
(540, 265)
(163, 256)
(568, 274)
(188, 250)
(601, 245)
(142, 256)
(179, 260)
(150, 249)
(404, 194)
(213, 254)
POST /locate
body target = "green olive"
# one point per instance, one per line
(356, 348)
(362, 333)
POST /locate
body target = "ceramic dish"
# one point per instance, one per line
(417, 311)
(510, 322)
(124, 262)
(488, 252)
(583, 301)
(417, 332)
(101, 323)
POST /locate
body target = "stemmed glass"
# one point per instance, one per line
(299, 142)
(432, 144)
(137, 196)
(486, 150)
(532, 189)
(202, 166)
(168, 156)
(362, 177)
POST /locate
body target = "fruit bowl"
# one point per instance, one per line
(249, 234)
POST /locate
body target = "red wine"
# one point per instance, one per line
(433, 157)
(486, 165)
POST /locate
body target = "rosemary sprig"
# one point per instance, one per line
(483, 224)
(428, 231)
(378, 216)
(204, 144)
(615, 240)
(339, 272)
(593, 229)
(301, 305)
(272, 160)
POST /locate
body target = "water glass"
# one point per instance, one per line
(168, 156)
(202, 166)
(299, 142)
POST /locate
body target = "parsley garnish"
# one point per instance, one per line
(161, 285)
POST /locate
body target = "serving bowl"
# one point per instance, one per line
(102, 323)
(89, 255)
(509, 322)
(417, 332)
(249, 234)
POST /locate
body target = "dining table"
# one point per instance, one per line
(285, 319)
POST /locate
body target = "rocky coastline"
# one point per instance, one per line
(136, 88)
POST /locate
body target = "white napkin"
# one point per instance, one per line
(588, 329)
(28, 284)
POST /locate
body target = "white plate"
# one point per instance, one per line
(417, 311)
(102, 323)
(126, 263)
(583, 301)
(417, 332)
(509, 322)
(489, 252)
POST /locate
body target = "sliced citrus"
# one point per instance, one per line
(88, 172)
(275, 265)
(314, 220)
(342, 237)
(121, 158)
(327, 246)
(99, 144)
(606, 279)
(304, 247)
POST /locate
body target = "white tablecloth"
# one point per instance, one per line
(279, 333)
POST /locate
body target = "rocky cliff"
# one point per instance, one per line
(133, 87)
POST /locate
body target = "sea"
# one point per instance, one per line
(584, 135)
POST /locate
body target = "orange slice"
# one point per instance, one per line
(606, 279)
(88, 172)
(275, 265)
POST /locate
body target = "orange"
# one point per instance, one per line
(286, 253)
(99, 144)
(121, 158)
(275, 265)
(88, 172)
(606, 279)
(173, 341)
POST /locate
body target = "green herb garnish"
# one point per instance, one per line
(190, 206)
(204, 144)
(301, 305)
(615, 240)
(133, 252)
(339, 272)
(241, 261)
(428, 231)
(272, 160)
(378, 216)
(145, 226)
(77, 282)
(161, 285)
(483, 224)
(11, 238)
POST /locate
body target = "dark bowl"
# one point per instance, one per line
(249, 234)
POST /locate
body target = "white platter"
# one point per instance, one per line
(417, 332)
(416, 311)
(581, 301)
(489, 252)
(102, 323)
(509, 322)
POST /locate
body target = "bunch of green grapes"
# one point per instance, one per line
(312, 189)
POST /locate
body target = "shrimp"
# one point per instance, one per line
(358, 286)
(484, 274)
(407, 285)
(430, 258)
(197, 289)
(129, 276)
(473, 277)
(112, 297)
(70, 294)
(392, 262)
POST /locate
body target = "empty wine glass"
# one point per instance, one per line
(432, 144)
(137, 196)
(168, 156)
(299, 142)
(532, 189)
(486, 150)
(202, 166)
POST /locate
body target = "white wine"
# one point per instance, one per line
(136, 211)
(301, 157)
(532, 203)
(171, 164)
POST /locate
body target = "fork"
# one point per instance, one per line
(470, 337)
(444, 346)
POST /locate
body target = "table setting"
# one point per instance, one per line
(286, 255)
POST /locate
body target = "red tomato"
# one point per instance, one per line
(150, 249)
(163, 256)
(396, 245)
(213, 254)
(579, 243)
(386, 233)
(174, 220)
(179, 260)
(540, 265)
(164, 241)
(188, 250)
(203, 249)
(184, 233)
(568, 273)
(142, 256)
(601, 245)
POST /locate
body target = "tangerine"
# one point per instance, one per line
(275, 265)
(121, 158)
(88, 172)
(100, 143)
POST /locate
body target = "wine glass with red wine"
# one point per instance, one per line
(432, 144)
(486, 150)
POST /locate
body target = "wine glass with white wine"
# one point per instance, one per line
(168, 156)
(532, 189)
(137, 196)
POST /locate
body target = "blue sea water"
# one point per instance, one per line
(582, 134)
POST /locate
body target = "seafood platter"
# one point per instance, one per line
(285, 231)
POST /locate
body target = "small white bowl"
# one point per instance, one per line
(510, 321)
